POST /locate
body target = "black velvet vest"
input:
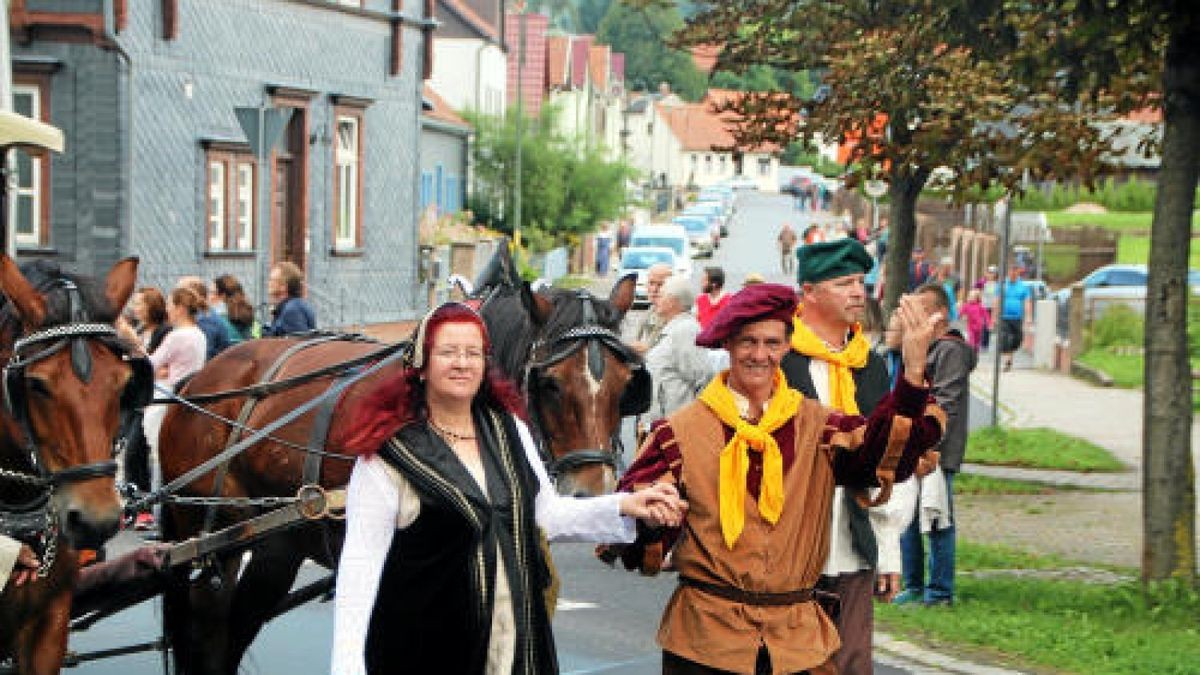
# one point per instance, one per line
(870, 386)
(433, 610)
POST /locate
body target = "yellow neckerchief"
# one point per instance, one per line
(735, 457)
(841, 380)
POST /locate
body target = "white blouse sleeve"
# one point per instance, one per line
(594, 519)
(372, 509)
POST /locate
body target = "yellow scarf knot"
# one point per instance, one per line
(841, 364)
(735, 456)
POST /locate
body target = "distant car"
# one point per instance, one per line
(699, 229)
(713, 209)
(638, 259)
(1106, 286)
(673, 237)
(741, 182)
(725, 198)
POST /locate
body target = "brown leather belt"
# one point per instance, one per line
(756, 598)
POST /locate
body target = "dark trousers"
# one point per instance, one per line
(856, 622)
(940, 586)
(674, 664)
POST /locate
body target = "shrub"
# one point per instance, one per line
(1119, 325)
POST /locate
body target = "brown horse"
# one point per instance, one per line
(213, 616)
(67, 380)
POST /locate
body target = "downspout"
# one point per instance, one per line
(125, 145)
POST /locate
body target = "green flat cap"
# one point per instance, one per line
(830, 259)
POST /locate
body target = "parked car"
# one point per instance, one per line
(700, 230)
(725, 198)
(1109, 285)
(673, 237)
(639, 259)
(712, 210)
(741, 182)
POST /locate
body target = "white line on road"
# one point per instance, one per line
(565, 605)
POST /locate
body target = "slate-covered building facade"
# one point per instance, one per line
(157, 164)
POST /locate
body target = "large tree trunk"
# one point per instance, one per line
(903, 190)
(1169, 497)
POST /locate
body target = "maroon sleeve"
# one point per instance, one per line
(658, 461)
(884, 448)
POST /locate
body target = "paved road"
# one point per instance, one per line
(607, 619)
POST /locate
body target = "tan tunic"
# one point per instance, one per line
(783, 557)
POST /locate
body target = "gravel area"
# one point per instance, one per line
(1086, 527)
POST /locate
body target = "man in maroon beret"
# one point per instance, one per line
(757, 463)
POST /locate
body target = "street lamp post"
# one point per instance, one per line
(520, 7)
(1001, 281)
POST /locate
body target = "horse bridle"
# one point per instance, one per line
(595, 338)
(48, 342)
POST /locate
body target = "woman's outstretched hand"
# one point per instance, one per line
(658, 505)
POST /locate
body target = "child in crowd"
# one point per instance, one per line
(977, 317)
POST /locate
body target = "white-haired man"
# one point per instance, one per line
(679, 368)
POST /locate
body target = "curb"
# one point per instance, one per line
(943, 664)
(1090, 374)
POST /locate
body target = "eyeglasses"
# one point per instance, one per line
(453, 353)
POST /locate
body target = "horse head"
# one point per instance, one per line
(67, 379)
(579, 380)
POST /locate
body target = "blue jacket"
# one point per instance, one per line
(214, 331)
(293, 315)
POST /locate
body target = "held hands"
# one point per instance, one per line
(658, 505)
(26, 567)
(920, 330)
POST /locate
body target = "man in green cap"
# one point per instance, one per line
(832, 361)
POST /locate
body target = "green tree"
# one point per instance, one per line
(566, 190)
(640, 33)
(1134, 54)
(591, 13)
(927, 82)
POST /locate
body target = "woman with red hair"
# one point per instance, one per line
(442, 571)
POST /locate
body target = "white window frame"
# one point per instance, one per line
(348, 181)
(216, 199)
(243, 223)
(33, 238)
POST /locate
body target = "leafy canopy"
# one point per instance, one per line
(566, 190)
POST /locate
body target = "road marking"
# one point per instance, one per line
(641, 660)
(565, 605)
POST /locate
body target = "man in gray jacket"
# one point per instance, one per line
(948, 369)
(679, 368)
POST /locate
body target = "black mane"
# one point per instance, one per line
(513, 331)
(45, 277)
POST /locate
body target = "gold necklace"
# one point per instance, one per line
(452, 436)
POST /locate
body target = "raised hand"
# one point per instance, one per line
(658, 505)
(920, 330)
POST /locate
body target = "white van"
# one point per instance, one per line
(673, 237)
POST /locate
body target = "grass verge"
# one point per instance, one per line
(1038, 448)
(975, 484)
(1135, 250)
(1072, 626)
(1113, 220)
(1128, 370)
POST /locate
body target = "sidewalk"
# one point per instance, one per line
(1107, 416)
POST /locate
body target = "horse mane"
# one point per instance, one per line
(44, 276)
(513, 332)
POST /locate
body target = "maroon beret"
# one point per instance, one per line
(757, 302)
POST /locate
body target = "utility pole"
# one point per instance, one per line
(999, 332)
(520, 7)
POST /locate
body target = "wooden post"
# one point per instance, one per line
(1075, 321)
